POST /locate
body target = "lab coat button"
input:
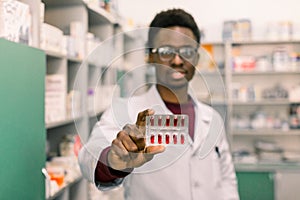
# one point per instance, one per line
(196, 184)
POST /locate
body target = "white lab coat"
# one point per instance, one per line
(198, 172)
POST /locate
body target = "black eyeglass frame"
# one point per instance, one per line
(174, 52)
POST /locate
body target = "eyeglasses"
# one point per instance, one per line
(167, 53)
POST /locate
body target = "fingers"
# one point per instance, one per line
(124, 152)
(129, 147)
(141, 118)
(136, 135)
(123, 144)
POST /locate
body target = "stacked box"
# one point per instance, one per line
(55, 98)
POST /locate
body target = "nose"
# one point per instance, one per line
(177, 60)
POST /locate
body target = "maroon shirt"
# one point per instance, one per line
(105, 174)
(187, 109)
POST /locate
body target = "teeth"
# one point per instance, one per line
(177, 75)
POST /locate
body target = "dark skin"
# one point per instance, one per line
(128, 149)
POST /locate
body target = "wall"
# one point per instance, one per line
(211, 14)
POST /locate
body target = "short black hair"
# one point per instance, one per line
(169, 18)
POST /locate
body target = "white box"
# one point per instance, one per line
(15, 21)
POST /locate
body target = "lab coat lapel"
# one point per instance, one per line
(202, 122)
(213, 127)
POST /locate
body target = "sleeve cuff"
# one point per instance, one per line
(106, 175)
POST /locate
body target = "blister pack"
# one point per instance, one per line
(167, 130)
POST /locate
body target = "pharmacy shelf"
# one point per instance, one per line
(219, 103)
(62, 122)
(53, 54)
(262, 102)
(264, 166)
(265, 42)
(210, 73)
(81, 74)
(264, 73)
(63, 189)
(95, 114)
(98, 16)
(61, 14)
(59, 3)
(214, 43)
(243, 138)
(75, 60)
(266, 132)
(57, 55)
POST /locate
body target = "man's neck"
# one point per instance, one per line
(178, 95)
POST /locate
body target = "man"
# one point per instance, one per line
(163, 172)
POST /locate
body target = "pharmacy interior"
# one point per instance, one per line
(50, 78)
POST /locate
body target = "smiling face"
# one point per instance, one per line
(176, 71)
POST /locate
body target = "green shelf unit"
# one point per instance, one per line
(22, 126)
(256, 185)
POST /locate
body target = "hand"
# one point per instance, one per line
(129, 149)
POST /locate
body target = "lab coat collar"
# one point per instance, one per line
(153, 92)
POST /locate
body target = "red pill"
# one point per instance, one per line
(159, 121)
(168, 121)
(167, 138)
(182, 139)
(152, 138)
(182, 121)
(152, 121)
(175, 139)
(175, 121)
(159, 139)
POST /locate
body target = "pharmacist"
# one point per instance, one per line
(116, 154)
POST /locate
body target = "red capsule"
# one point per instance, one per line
(152, 138)
(175, 121)
(167, 138)
(182, 139)
(182, 121)
(168, 121)
(175, 139)
(159, 139)
(152, 121)
(159, 121)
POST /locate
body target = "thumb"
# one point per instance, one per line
(141, 118)
(154, 149)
